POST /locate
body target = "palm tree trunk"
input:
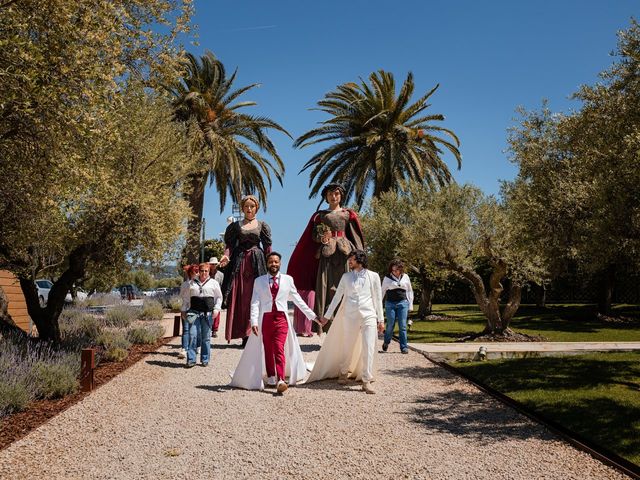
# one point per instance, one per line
(196, 202)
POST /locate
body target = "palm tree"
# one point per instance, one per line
(232, 145)
(378, 139)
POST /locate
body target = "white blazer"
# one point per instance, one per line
(251, 370)
(345, 289)
(262, 301)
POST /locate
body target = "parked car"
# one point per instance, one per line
(44, 287)
(130, 292)
(162, 291)
(149, 293)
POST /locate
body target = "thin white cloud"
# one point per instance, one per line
(245, 29)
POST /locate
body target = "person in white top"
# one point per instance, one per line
(205, 300)
(396, 285)
(273, 333)
(360, 296)
(191, 271)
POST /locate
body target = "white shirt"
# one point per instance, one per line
(210, 288)
(404, 283)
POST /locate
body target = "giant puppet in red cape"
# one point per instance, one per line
(320, 256)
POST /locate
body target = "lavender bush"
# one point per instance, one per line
(33, 370)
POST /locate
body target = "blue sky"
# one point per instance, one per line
(488, 57)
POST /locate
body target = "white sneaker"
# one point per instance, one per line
(198, 351)
(182, 353)
(271, 381)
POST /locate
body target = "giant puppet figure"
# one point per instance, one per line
(320, 257)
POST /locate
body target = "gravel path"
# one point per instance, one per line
(159, 420)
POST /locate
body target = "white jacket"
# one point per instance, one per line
(345, 289)
(262, 301)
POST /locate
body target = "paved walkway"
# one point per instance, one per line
(469, 351)
(160, 420)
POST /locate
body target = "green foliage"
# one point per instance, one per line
(557, 323)
(379, 139)
(92, 167)
(145, 334)
(79, 329)
(31, 369)
(116, 345)
(593, 395)
(174, 303)
(213, 248)
(54, 380)
(171, 282)
(14, 397)
(575, 196)
(120, 316)
(204, 99)
(151, 310)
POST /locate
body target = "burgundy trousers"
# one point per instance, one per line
(216, 322)
(274, 335)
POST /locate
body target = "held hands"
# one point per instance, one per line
(254, 329)
(323, 321)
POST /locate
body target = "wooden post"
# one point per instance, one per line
(87, 365)
(176, 325)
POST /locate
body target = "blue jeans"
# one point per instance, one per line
(185, 336)
(190, 338)
(397, 311)
(204, 324)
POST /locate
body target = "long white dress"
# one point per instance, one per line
(329, 358)
(251, 371)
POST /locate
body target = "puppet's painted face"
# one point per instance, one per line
(334, 197)
(249, 208)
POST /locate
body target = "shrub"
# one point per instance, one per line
(146, 334)
(115, 354)
(120, 316)
(151, 310)
(14, 397)
(100, 299)
(79, 329)
(32, 369)
(116, 346)
(54, 380)
(174, 303)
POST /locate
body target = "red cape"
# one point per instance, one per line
(303, 264)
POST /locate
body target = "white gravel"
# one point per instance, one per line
(159, 420)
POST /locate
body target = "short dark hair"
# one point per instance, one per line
(359, 256)
(396, 262)
(276, 254)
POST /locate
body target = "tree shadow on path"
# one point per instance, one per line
(472, 414)
(164, 363)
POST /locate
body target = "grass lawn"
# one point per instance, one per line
(558, 323)
(596, 395)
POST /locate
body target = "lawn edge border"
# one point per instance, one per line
(596, 451)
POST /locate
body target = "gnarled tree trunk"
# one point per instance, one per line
(426, 296)
(46, 319)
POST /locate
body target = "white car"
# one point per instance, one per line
(44, 287)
